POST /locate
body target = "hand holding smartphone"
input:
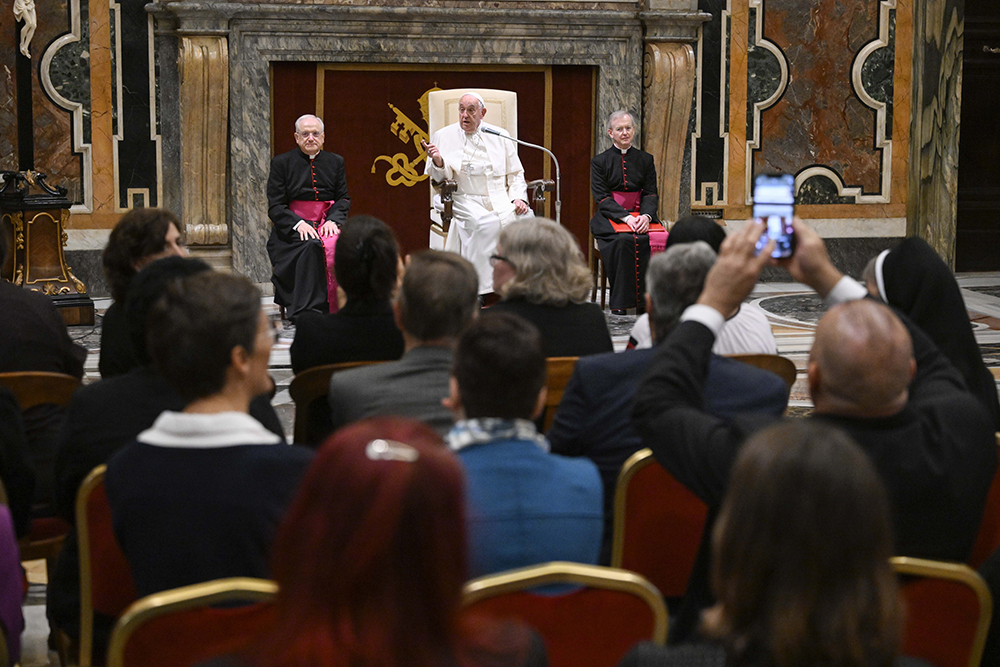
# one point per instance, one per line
(774, 206)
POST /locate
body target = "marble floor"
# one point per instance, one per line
(793, 310)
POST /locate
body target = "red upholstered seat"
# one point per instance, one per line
(106, 585)
(593, 624)
(988, 538)
(948, 610)
(658, 524)
(179, 628)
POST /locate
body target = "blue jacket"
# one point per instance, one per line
(526, 506)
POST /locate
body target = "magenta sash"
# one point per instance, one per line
(628, 200)
(315, 212)
(657, 241)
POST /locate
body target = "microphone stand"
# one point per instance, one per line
(490, 130)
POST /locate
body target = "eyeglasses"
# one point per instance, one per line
(308, 134)
(500, 258)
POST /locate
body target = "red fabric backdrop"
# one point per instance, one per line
(362, 126)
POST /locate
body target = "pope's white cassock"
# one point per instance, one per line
(490, 177)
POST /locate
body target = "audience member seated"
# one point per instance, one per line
(140, 237)
(15, 473)
(370, 562)
(913, 279)
(526, 506)
(593, 418)
(12, 588)
(199, 495)
(873, 374)
(367, 267)
(33, 337)
(105, 416)
(540, 273)
(438, 299)
(747, 331)
(800, 560)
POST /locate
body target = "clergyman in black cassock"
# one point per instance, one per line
(299, 276)
(625, 254)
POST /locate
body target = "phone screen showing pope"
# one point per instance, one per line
(774, 205)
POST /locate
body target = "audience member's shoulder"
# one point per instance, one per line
(648, 654)
(618, 362)
(580, 466)
(292, 455)
(130, 387)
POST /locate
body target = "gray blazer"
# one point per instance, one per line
(411, 387)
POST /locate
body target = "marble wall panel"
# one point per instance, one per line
(938, 27)
(819, 119)
(708, 143)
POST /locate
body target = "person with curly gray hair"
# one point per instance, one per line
(540, 274)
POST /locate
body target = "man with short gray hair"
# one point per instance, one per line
(593, 419)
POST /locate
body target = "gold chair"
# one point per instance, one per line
(32, 388)
(988, 537)
(558, 372)
(307, 389)
(106, 584)
(442, 110)
(781, 366)
(593, 623)
(186, 626)
(948, 611)
(658, 524)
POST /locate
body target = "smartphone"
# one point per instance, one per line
(774, 205)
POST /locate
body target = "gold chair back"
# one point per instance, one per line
(948, 611)
(781, 366)
(33, 388)
(558, 372)
(602, 615)
(187, 625)
(310, 386)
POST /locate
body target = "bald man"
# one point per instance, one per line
(874, 375)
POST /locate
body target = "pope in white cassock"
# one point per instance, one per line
(491, 190)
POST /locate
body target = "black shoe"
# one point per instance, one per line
(618, 311)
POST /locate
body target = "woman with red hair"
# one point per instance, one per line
(371, 559)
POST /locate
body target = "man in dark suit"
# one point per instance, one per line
(594, 417)
(871, 372)
(438, 299)
(307, 201)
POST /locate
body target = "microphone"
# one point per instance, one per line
(490, 130)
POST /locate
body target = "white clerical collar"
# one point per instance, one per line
(313, 156)
(623, 150)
